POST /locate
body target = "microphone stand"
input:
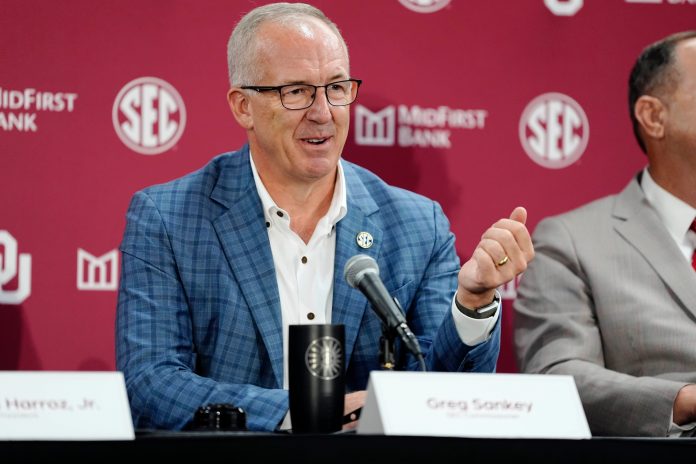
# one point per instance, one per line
(386, 348)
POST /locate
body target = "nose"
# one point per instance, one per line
(320, 109)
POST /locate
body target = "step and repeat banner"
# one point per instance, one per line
(480, 105)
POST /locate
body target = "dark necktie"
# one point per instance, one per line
(693, 257)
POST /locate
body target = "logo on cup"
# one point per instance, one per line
(149, 115)
(324, 358)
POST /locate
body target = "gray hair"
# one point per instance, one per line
(242, 48)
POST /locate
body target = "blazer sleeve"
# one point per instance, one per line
(445, 351)
(154, 343)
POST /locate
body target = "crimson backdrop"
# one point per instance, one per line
(481, 105)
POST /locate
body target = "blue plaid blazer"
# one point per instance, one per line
(198, 318)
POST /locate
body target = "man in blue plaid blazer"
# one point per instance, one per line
(218, 263)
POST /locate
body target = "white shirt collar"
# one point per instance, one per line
(337, 209)
(675, 213)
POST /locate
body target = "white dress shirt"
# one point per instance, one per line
(676, 215)
(305, 271)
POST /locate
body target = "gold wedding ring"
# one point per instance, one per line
(503, 261)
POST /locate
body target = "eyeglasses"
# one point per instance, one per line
(301, 96)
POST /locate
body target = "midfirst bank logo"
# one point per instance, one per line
(13, 265)
(554, 130)
(414, 126)
(97, 273)
(19, 108)
(149, 115)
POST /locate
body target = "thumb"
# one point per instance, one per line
(519, 214)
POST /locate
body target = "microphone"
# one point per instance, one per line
(362, 272)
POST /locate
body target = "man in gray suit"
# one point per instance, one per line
(611, 295)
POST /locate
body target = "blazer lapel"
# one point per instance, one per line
(242, 233)
(640, 225)
(348, 303)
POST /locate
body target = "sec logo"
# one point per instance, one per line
(554, 130)
(149, 115)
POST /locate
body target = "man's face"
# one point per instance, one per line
(680, 129)
(298, 145)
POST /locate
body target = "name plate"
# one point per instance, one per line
(46, 405)
(473, 405)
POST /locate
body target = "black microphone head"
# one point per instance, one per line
(357, 266)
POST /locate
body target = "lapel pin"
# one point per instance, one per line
(364, 240)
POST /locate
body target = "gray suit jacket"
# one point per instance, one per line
(611, 300)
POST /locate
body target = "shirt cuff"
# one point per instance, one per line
(286, 424)
(677, 430)
(474, 331)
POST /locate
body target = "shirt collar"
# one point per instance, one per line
(337, 209)
(675, 213)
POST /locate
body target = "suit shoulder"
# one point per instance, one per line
(591, 211)
(588, 222)
(193, 186)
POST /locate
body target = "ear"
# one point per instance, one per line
(241, 107)
(651, 115)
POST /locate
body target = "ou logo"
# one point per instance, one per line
(149, 115)
(554, 130)
(13, 265)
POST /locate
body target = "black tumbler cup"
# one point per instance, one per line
(316, 375)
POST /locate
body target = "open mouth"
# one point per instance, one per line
(316, 141)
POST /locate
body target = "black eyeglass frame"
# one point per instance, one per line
(278, 88)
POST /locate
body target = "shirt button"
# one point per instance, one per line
(304, 260)
(310, 316)
(279, 213)
(268, 224)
